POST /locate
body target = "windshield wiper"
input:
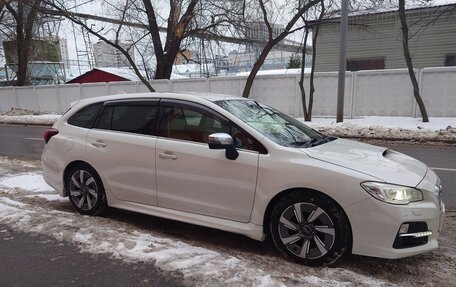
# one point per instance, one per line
(313, 142)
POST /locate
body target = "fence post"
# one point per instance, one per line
(15, 97)
(59, 101)
(297, 93)
(208, 86)
(170, 85)
(353, 95)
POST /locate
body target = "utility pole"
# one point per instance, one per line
(342, 61)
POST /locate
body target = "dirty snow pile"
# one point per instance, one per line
(202, 256)
(438, 129)
(22, 116)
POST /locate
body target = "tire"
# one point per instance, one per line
(320, 236)
(85, 190)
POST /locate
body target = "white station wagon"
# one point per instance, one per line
(238, 165)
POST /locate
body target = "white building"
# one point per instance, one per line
(108, 56)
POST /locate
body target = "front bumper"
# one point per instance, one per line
(375, 225)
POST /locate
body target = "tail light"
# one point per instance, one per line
(49, 133)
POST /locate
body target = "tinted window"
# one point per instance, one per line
(129, 118)
(196, 125)
(365, 64)
(450, 60)
(189, 124)
(86, 116)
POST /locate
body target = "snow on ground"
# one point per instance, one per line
(46, 120)
(408, 123)
(204, 257)
(389, 128)
(28, 181)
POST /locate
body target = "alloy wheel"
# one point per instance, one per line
(306, 230)
(83, 190)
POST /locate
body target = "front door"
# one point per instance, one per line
(193, 178)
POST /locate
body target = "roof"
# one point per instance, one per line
(97, 75)
(191, 96)
(393, 9)
(125, 73)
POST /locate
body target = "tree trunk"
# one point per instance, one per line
(408, 60)
(314, 60)
(256, 67)
(21, 73)
(301, 80)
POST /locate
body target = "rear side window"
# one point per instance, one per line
(86, 116)
(139, 119)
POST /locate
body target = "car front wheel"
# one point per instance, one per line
(85, 190)
(310, 228)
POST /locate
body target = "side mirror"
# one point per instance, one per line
(223, 141)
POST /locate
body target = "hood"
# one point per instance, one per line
(385, 164)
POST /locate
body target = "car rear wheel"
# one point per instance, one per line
(310, 228)
(85, 190)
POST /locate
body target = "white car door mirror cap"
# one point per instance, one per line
(220, 141)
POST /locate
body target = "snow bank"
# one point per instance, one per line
(389, 128)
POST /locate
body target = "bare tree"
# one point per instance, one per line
(165, 33)
(272, 40)
(315, 26)
(23, 15)
(408, 60)
(106, 35)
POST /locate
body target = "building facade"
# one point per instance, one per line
(107, 56)
(375, 40)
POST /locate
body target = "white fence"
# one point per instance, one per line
(382, 92)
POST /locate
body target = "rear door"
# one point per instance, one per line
(122, 147)
(193, 178)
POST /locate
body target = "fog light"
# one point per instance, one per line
(404, 228)
(417, 234)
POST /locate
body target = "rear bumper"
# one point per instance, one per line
(53, 171)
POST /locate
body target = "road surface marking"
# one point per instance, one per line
(444, 169)
(34, 139)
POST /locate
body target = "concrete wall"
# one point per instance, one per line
(382, 92)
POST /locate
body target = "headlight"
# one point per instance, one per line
(391, 193)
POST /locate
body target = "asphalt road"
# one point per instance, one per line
(27, 142)
(29, 259)
(22, 141)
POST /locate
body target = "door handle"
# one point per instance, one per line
(167, 155)
(98, 143)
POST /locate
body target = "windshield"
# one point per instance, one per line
(277, 126)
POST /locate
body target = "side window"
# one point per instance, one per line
(450, 60)
(86, 116)
(138, 119)
(196, 125)
(189, 124)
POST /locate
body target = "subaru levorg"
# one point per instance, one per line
(238, 165)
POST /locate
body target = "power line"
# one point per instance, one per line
(202, 34)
